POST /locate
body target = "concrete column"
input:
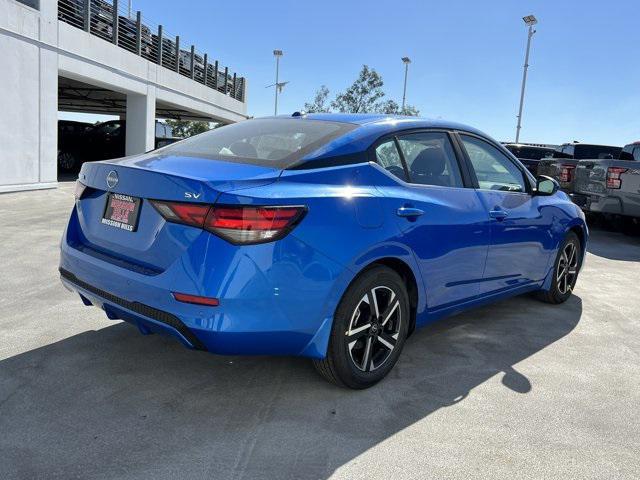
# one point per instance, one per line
(141, 119)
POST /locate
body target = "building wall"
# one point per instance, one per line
(36, 49)
(29, 100)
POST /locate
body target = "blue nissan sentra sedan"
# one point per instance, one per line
(328, 236)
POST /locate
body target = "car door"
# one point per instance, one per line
(439, 213)
(517, 254)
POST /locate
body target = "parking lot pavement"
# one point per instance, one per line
(519, 389)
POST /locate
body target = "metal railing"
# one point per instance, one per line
(109, 20)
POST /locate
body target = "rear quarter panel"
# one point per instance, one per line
(345, 225)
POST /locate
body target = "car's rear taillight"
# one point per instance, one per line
(613, 177)
(238, 224)
(79, 190)
(193, 214)
(248, 224)
(566, 172)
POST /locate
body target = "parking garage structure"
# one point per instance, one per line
(91, 56)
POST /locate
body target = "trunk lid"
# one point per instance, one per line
(154, 244)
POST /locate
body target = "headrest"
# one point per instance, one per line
(244, 149)
(430, 161)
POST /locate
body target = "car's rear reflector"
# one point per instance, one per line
(195, 299)
(238, 224)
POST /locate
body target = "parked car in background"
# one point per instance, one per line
(71, 136)
(611, 187)
(102, 14)
(565, 158)
(168, 51)
(530, 155)
(72, 11)
(185, 64)
(327, 236)
(127, 33)
(108, 140)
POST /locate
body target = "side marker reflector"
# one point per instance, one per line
(195, 299)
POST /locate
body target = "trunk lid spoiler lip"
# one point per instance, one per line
(206, 187)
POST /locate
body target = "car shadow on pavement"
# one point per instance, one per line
(112, 403)
(614, 246)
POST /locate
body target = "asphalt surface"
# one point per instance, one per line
(519, 389)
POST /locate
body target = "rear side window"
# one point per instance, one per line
(388, 157)
(494, 170)
(277, 143)
(430, 159)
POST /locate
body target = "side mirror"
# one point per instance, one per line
(546, 185)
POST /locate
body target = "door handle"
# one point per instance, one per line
(498, 214)
(409, 212)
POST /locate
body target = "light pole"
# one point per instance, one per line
(530, 21)
(277, 54)
(406, 61)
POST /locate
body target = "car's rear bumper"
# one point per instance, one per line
(146, 318)
(271, 302)
(626, 204)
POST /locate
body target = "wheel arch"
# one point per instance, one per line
(409, 278)
(580, 233)
(389, 253)
(580, 230)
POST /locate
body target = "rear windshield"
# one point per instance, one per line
(532, 153)
(596, 151)
(274, 142)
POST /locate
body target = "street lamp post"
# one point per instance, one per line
(277, 54)
(530, 21)
(406, 61)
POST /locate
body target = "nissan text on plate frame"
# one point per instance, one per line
(328, 236)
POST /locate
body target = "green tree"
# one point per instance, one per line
(319, 104)
(363, 95)
(187, 128)
(391, 107)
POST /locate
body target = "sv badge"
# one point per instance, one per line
(192, 195)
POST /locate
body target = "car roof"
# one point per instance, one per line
(520, 145)
(392, 120)
(369, 128)
(579, 144)
(383, 122)
(74, 122)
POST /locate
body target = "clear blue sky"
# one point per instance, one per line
(584, 79)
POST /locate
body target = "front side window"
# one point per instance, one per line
(277, 143)
(494, 170)
(430, 159)
(388, 157)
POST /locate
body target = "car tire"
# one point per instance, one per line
(565, 271)
(364, 347)
(67, 161)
